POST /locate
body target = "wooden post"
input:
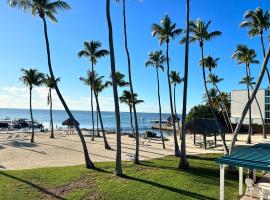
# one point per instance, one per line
(222, 176)
(240, 181)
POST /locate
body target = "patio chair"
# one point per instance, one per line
(251, 187)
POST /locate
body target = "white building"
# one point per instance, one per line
(239, 99)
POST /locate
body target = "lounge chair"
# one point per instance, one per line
(251, 187)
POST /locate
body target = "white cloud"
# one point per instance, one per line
(18, 97)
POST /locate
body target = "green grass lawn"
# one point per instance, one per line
(153, 179)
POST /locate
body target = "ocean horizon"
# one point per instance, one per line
(83, 117)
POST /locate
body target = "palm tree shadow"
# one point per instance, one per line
(43, 190)
(172, 189)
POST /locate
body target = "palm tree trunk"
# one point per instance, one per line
(176, 147)
(88, 162)
(211, 106)
(136, 159)
(225, 108)
(250, 122)
(259, 107)
(51, 117)
(98, 135)
(263, 49)
(92, 109)
(183, 164)
(159, 104)
(245, 110)
(131, 120)
(175, 111)
(106, 145)
(32, 120)
(118, 166)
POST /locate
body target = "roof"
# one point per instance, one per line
(254, 157)
(69, 122)
(204, 126)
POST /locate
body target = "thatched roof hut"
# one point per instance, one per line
(69, 123)
(204, 126)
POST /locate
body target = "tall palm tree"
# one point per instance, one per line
(93, 52)
(94, 81)
(214, 80)
(31, 78)
(175, 79)
(50, 84)
(136, 158)
(245, 110)
(184, 164)
(244, 55)
(200, 33)
(250, 82)
(47, 9)
(118, 166)
(165, 32)
(126, 98)
(257, 22)
(157, 59)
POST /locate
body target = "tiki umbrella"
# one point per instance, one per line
(69, 123)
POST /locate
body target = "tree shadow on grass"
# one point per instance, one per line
(172, 189)
(43, 190)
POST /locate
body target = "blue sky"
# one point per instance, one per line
(22, 45)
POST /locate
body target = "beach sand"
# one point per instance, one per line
(16, 151)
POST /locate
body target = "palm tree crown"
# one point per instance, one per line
(49, 82)
(209, 62)
(31, 77)
(256, 21)
(41, 7)
(245, 55)
(127, 98)
(94, 80)
(92, 51)
(199, 32)
(166, 30)
(247, 80)
(175, 78)
(156, 59)
(120, 80)
(214, 79)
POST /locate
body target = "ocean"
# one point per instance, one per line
(83, 117)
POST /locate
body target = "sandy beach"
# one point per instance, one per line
(16, 151)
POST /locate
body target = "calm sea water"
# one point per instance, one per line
(83, 117)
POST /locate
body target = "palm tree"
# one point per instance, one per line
(31, 78)
(118, 166)
(50, 84)
(211, 63)
(96, 83)
(199, 32)
(126, 98)
(184, 164)
(244, 55)
(245, 110)
(93, 52)
(157, 59)
(166, 31)
(44, 9)
(175, 79)
(257, 22)
(136, 158)
(250, 82)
